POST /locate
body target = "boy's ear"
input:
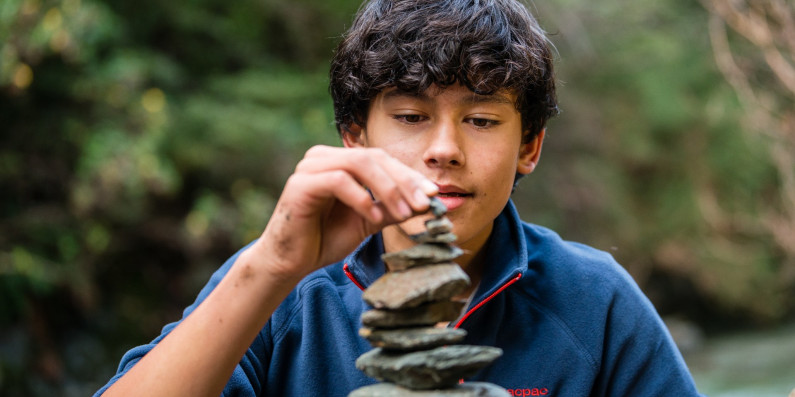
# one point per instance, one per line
(530, 153)
(353, 136)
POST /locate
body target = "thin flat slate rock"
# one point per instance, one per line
(412, 339)
(421, 254)
(425, 237)
(425, 314)
(413, 287)
(439, 225)
(428, 369)
(468, 389)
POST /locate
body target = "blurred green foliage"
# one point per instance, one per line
(143, 142)
(654, 164)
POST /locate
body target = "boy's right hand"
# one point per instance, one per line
(325, 211)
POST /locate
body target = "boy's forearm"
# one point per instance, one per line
(324, 212)
(198, 357)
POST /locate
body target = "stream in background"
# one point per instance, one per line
(748, 364)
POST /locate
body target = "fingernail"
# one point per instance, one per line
(375, 214)
(429, 188)
(421, 198)
(404, 209)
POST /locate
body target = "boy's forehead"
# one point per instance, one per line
(462, 93)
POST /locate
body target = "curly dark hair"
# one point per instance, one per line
(486, 45)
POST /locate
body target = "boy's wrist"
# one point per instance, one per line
(263, 261)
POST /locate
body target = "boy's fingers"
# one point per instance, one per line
(413, 185)
(341, 186)
(402, 189)
(365, 171)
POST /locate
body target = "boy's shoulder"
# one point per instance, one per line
(578, 283)
(553, 256)
(576, 301)
(585, 289)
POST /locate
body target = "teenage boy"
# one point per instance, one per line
(447, 98)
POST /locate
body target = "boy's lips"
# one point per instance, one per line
(453, 196)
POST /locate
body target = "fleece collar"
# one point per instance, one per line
(506, 255)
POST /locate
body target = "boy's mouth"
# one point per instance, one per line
(454, 194)
(453, 197)
(452, 191)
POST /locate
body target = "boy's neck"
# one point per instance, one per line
(472, 261)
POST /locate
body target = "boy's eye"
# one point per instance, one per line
(409, 118)
(482, 123)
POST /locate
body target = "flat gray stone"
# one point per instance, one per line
(428, 369)
(425, 237)
(468, 389)
(415, 286)
(421, 254)
(412, 339)
(425, 314)
(439, 225)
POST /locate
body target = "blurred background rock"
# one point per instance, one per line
(143, 142)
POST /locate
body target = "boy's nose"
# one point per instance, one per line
(445, 146)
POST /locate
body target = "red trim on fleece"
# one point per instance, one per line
(350, 276)
(483, 302)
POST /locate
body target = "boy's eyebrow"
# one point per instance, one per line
(397, 93)
(474, 98)
(493, 98)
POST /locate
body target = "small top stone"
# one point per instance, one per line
(437, 207)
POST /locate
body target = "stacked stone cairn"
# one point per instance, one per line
(412, 355)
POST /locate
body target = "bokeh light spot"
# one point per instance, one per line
(23, 76)
(52, 20)
(153, 100)
(197, 224)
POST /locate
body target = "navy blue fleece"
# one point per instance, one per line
(573, 324)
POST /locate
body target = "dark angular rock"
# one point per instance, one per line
(437, 207)
(428, 369)
(412, 339)
(421, 254)
(469, 389)
(426, 314)
(413, 287)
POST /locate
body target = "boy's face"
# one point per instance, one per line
(469, 145)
